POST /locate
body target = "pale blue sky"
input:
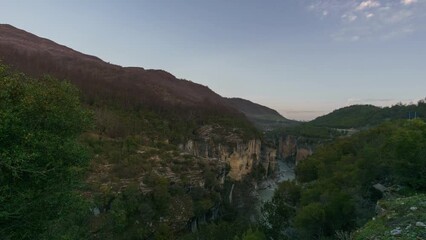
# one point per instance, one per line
(302, 57)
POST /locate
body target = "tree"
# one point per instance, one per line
(311, 219)
(251, 234)
(277, 213)
(40, 159)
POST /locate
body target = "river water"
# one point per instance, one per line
(266, 189)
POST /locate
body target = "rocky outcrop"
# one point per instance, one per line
(242, 157)
(269, 159)
(287, 147)
(303, 153)
(296, 149)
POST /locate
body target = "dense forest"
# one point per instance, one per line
(338, 186)
(42, 163)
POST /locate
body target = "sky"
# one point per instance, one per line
(303, 58)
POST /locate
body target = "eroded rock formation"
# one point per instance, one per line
(295, 148)
(229, 148)
(242, 157)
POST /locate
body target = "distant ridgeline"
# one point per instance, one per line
(358, 116)
(351, 119)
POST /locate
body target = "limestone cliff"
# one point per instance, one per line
(241, 156)
(296, 148)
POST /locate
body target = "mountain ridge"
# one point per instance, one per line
(37, 56)
(97, 79)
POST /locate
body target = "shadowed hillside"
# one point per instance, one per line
(263, 117)
(101, 81)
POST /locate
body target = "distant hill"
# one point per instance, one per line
(261, 116)
(347, 117)
(348, 120)
(357, 116)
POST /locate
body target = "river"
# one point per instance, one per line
(266, 189)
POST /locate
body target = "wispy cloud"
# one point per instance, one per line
(371, 19)
(368, 4)
(349, 17)
(408, 2)
(369, 15)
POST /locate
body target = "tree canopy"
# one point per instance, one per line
(335, 192)
(40, 158)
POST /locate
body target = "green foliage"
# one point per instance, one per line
(347, 117)
(240, 126)
(276, 214)
(220, 231)
(174, 125)
(342, 235)
(307, 172)
(131, 216)
(134, 207)
(252, 235)
(161, 196)
(409, 155)
(163, 233)
(311, 219)
(336, 182)
(40, 159)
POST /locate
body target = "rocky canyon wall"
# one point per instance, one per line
(242, 157)
(296, 148)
